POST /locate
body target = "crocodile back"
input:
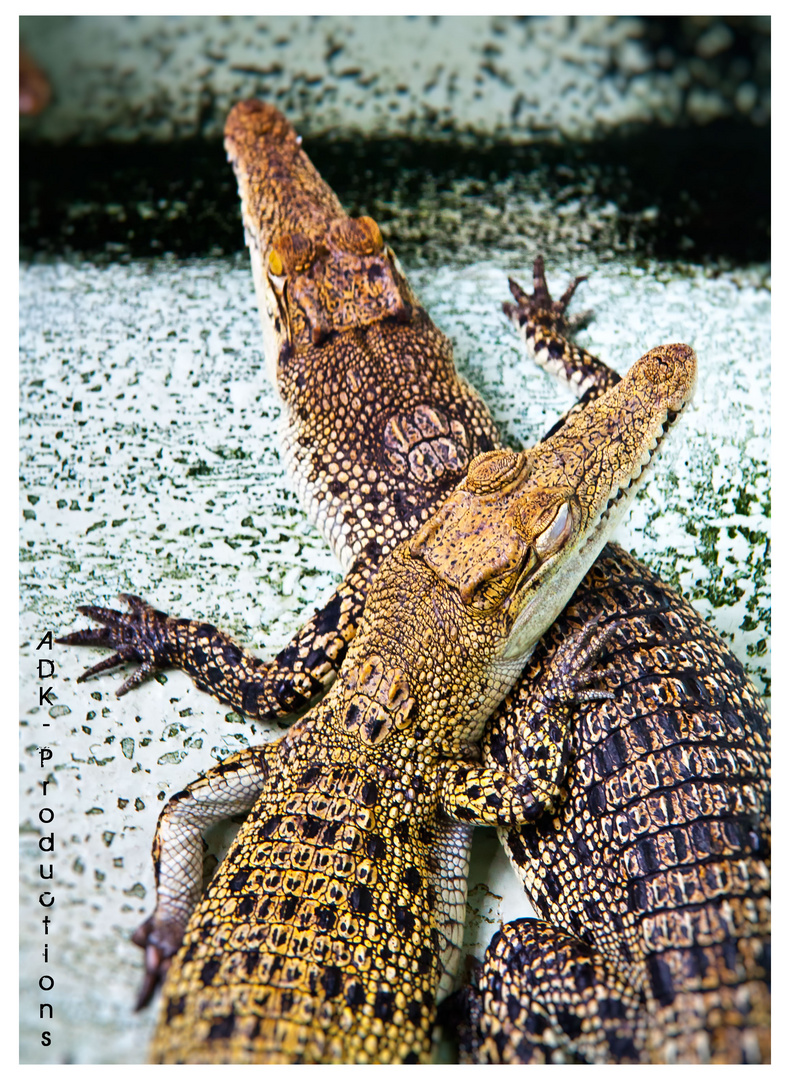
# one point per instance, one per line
(658, 858)
(327, 932)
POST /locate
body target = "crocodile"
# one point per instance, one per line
(334, 923)
(328, 357)
(378, 425)
(652, 876)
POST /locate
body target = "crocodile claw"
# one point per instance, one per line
(575, 664)
(155, 969)
(104, 665)
(540, 306)
(134, 636)
(160, 945)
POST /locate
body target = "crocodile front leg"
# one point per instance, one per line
(299, 673)
(546, 329)
(528, 782)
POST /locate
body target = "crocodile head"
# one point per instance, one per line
(519, 533)
(316, 270)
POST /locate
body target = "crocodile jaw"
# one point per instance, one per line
(644, 405)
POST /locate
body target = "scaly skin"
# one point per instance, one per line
(378, 429)
(335, 920)
(411, 455)
(653, 875)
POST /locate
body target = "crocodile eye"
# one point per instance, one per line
(276, 268)
(369, 229)
(276, 275)
(552, 538)
(358, 236)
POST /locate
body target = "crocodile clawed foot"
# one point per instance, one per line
(539, 308)
(160, 944)
(136, 636)
(575, 664)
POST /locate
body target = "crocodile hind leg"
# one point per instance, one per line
(232, 787)
(545, 997)
(301, 672)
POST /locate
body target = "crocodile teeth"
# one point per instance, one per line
(624, 492)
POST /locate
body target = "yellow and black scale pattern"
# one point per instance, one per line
(325, 932)
(653, 877)
(334, 923)
(414, 456)
(328, 929)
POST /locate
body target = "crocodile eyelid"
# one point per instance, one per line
(357, 236)
(370, 228)
(553, 537)
(495, 472)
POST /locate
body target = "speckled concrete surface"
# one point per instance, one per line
(149, 464)
(521, 79)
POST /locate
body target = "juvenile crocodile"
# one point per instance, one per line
(335, 920)
(652, 876)
(378, 425)
(415, 444)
